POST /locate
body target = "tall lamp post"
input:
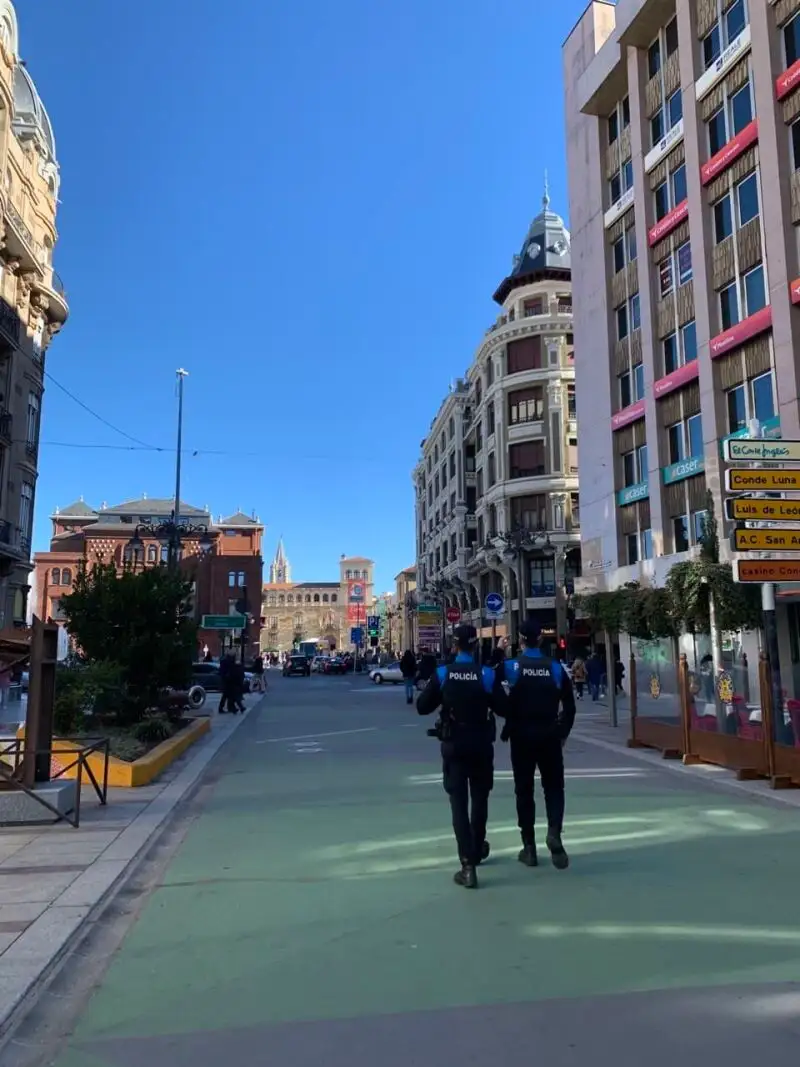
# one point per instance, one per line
(518, 540)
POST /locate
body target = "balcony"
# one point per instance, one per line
(19, 240)
(52, 288)
(528, 472)
(13, 542)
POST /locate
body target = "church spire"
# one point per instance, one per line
(279, 569)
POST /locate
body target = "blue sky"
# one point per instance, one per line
(306, 204)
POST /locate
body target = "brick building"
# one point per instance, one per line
(229, 572)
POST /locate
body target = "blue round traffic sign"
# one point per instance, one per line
(494, 602)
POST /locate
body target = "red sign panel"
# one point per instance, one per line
(687, 373)
(668, 223)
(453, 615)
(628, 415)
(787, 81)
(741, 332)
(794, 291)
(356, 601)
(730, 152)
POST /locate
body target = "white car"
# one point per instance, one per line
(390, 673)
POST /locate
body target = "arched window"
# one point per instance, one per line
(66, 576)
(151, 553)
(444, 441)
(308, 598)
(316, 598)
(281, 599)
(47, 249)
(55, 576)
(451, 429)
(334, 598)
(271, 601)
(348, 574)
(324, 598)
(364, 574)
(290, 599)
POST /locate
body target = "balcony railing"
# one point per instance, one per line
(565, 307)
(58, 285)
(536, 415)
(528, 472)
(19, 225)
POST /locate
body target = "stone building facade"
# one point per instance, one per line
(325, 612)
(33, 307)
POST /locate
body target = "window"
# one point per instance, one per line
(634, 466)
(666, 117)
(527, 460)
(723, 32)
(638, 381)
(621, 182)
(55, 576)
(755, 296)
(632, 549)
(657, 127)
(680, 347)
(754, 399)
(654, 58)
(151, 553)
(334, 597)
(26, 512)
(747, 198)
(680, 531)
(674, 109)
(729, 306)
(451, 429)
(723, 219)
(623, 251)
(685, 439)
(316, 598)
(631, 386)
(795, 146)
(791, 40)
(526, 405)
(628, 317)
(665, 43)
(231, 579)
(730, 119)
(32, 425)
(641, 463)
(619, 118)
(647, 544)
(671, 192)
(571, 408)
(697, 522)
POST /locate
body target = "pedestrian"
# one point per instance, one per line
(498, 658)
(408, 668)
(258, 674)
(467, 695)
(539, 716)
(619, 674)
(228, 695)
(595, 672)
(237, 685)
(579, 677)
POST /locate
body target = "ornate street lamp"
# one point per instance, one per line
(170, 533)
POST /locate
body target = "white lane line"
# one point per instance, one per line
(313, 737)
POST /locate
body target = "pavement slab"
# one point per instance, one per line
(309, 913)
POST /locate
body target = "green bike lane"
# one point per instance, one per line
(309, 914)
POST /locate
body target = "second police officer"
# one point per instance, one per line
(466, 694)
(540, 714)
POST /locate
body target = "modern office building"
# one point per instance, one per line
(497, 481)
(683, 145)
(33, 307)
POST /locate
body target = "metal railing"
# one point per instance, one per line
(58, 285)
(13, 752)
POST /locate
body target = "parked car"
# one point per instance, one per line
(208, 676)
(296, 665)
(390, 673)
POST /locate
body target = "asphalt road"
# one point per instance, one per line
(308, 915)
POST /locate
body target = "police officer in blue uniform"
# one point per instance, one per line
(466, 694)
(540, 713)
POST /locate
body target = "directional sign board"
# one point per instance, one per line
(754, 480)
(763, 508)
(769, 540)
(494, 605)
(223, 622)
(746, 450)
(766, 570)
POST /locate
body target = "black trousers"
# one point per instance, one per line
(468, 775)
(548, 755)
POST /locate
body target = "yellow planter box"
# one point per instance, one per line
(127, 775)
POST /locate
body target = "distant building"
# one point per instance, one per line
(226, 576)
(405, 585)
(325, 612)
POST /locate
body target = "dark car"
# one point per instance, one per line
(296, 665)
(208, 675)
(337, 665)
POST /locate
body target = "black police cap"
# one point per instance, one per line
(530, 630)
(464, 634)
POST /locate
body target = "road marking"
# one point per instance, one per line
(313, 737)
(505, 776)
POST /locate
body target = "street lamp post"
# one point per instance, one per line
(174, 544)
(518, 540)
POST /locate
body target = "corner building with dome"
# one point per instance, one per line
(33, 307)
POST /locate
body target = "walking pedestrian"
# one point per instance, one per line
(408, 668)
(539, 716)
(595, 672)
(466, 694)
(228, 695)
(579, 677)
(258, 674)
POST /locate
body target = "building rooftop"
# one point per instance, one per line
(545, 251)
(77, 510)
(240, 519)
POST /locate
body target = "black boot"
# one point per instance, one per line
(483, 853)
(528, 855)
(558, 854)
(466, 877)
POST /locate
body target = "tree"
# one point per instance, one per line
(138, 621)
